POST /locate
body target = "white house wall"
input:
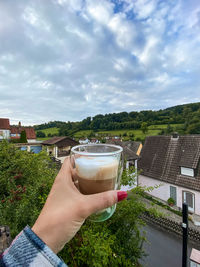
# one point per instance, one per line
(6, 134)
(163, 191)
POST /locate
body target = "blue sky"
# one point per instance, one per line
(70, 59)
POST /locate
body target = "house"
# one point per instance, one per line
(4, 129)
(173, 162)
(14, 132)
(130, 154)
(84, 141)
(131, 151)
(59, 146)
(94, 141)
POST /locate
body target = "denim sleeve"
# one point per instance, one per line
(27, 249)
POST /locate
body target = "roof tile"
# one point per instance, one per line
(162, 157)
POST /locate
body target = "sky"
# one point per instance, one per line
(69, 59)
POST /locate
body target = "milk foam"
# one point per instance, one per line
(98, 168)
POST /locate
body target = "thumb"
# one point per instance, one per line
(97, 202)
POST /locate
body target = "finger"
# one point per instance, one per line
(65, 171)
(97, 202)
(66, 166)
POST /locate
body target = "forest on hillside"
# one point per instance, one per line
(188, 115)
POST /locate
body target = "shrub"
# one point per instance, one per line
(25, 181)
(171, 201)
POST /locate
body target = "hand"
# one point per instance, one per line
(66, 209)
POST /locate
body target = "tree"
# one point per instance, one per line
(169, 129)
(144, 127)
(194, 128)
(23, 138)
(40, 134)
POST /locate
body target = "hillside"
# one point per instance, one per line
(187, 117)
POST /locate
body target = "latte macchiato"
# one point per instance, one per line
(98, 168)
(97, 174)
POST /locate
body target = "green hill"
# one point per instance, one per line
(184, 119)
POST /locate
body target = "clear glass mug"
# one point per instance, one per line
(98, 168)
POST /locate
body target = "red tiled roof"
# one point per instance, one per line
(4, 124)
(14, 130)
(30, 132)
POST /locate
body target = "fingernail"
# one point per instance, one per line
(121, 195)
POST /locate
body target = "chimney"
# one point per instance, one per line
(175, 135)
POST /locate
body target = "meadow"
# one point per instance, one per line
(126, 134)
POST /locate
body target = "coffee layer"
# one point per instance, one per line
(90, 186)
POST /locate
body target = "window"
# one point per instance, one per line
(187, 171)
(173, 193)
(189, 199)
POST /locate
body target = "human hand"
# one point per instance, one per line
(66, 209)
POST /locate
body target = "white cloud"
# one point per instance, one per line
(66, 59)
(101, 11)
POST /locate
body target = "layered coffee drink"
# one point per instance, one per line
(98, 168)
(96, 175)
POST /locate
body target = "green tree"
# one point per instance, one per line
(169, 129)
(194, 128)
(144, 127)
(23, 138)
(41, 134)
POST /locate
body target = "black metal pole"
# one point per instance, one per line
(185, 234)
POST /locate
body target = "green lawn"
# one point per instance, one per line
(163, 126)
(84, 133)
(52, 130)
(152, 130)
(43, 138)
(136, 133)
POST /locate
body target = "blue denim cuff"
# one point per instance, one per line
(27, 249)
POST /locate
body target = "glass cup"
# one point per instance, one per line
(98, 168)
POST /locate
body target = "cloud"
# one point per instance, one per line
(69, 59)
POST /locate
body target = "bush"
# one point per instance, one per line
(171, 201)
(25, 181)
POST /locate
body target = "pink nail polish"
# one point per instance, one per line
(121, 195)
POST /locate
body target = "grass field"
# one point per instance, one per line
(163, 126)
(136, 133)
(152, 130)
(42, 138)
(52, 130)
(84, 133)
